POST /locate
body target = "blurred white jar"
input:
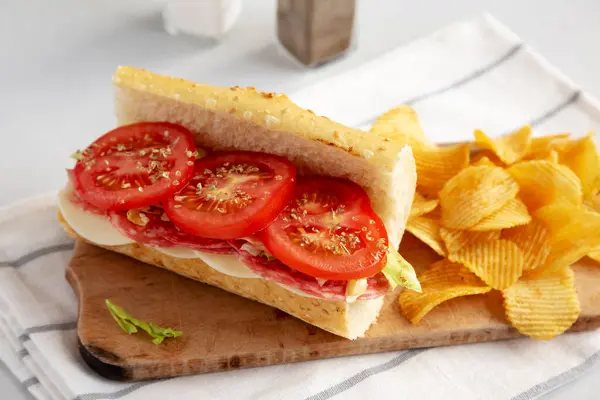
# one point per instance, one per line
(206, 18)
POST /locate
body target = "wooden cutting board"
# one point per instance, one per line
(222, 331)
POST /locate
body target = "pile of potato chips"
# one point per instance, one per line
(510, 214)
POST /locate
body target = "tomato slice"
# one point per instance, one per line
(75, 198)
(135, 166)
(151, 227)
(233, 194)
(329, 231)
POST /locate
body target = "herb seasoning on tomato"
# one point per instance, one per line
(233, 194)
(135, 165)
(329, 231)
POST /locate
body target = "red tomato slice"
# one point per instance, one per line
(151, 227)
(233, 194)
(329, 231)
(135, 166)
(75, 198)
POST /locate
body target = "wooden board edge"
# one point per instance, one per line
(108, 366)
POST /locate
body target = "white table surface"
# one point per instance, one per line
(57, 58)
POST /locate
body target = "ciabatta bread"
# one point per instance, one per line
(245, 119)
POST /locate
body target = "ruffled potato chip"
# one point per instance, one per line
(594, 255)
(485, 157)
(551, 156)
(435, 166)
(455, 239)
(509, 148)
(443, 281)
(583, 159)
(513, 213)
(568, 221)
(436, 214)
(593, 202)
(422, 205)
(575, 232)
(544, 182)
(545, 307)
(499, 263)
(428, 231)
(402, 124)
(534, 241)
(474, 193)
(541, 146)
(417, 253)
(562, 253)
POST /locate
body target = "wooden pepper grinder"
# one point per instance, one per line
(315, 31)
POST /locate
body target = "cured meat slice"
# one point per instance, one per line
(151, 228)
(276, 271)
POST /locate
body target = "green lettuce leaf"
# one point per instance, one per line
(77, 155)
(130, 324)
(398, 271)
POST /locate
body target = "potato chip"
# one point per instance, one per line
(455, 239)
(485, 158)
(422, 205)
(443, 281)
(543, 182)
(583, 159)
(428, 231)
(509, 148)
(593, 202)
(534, 241)
(435, 215)
(402, 124)
(563, 145)
(499, 263)
(435, 166)
(575, 232)
(565, 221)
(417, 253)
(551, 156)
(541, 146)
(513, 213)
(562, 253)
(474, 193)
(545, 307)
(594, 255)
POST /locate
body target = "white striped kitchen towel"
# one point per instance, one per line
(473, 74)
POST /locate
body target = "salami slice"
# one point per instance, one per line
(153, 230)
(276, 271)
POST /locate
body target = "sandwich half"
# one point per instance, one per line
(246, 191)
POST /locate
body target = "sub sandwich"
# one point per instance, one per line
(248, 192)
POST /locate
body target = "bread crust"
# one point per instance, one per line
(246, 119)
(330, 315)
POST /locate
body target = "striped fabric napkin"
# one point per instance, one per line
(473, 74)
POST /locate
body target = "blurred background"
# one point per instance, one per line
(58, 57)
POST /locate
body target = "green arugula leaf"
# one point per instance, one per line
(398, 271)
(130, 324)
(77, 155)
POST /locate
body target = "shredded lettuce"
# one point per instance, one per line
(398, 271)
(130, 324)
(77, 155)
